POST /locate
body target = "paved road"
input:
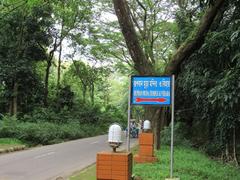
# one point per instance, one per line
(49, 162)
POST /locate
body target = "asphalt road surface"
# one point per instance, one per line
(50, 162)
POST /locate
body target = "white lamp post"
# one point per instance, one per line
(115, 136)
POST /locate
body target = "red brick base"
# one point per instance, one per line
(144, 159)
(146, 149)
(114, 166)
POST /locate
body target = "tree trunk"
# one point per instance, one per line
(92, 94)
(234, 147)
(49, 64)
(162, 122)
(156, 115)
(59, 68)
(84, 89)
(15, 99)
(158, 128)
(60, 59)
(10, 110)
(227, 152)
(141, 63)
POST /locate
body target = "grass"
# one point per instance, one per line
(87, 174)
(189, 164)
(6, 143)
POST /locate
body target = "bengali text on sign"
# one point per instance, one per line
(148, 90)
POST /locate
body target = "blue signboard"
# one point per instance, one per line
(151, 90)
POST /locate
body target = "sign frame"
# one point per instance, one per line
(171, 105)
(155, 105)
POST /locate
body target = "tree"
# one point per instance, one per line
(144, 65)
(213, 81)
(196, 39)
(70, 17)
(65, 98)
(22, 38)
(90, 78)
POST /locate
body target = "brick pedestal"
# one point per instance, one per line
(146, 149)
(114, 166)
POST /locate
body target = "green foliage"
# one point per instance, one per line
(65, 98)
(185, 27)
(208, 88)
(89, 79)
(35, 133)
(188, 165)
(10, 141)
(47, 126)
(180, 135)
(23, 38)
(83, 113)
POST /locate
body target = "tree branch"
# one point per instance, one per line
(185, 51)
(14, 8)
(141, 63)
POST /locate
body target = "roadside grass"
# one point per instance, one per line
(6, 143)
(86, 174)
(189, 164)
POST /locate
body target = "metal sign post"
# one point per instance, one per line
(148, 90)
(172, 127)
(129, 114)
(152, 90)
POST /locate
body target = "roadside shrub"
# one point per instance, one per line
(45, 133)
(8, 127)
(83, 114)
(180, 134)
(71, 131)
(47, 126)
(212, 148)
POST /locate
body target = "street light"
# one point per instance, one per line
(115, 136)
(146, 125)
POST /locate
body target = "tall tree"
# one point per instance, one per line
(22, 38)
(143, 65)
(70, 18)
(90, 77)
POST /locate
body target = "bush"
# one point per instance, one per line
(83, 114)
(45, 133)
(180, 134)
(47, 126)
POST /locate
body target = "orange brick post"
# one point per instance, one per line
(114, 166)
(146, 149)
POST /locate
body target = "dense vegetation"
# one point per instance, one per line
(206, 62)
(64, 68)
(48, 95)
(208, 89)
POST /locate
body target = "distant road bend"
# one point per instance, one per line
(50, 162)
